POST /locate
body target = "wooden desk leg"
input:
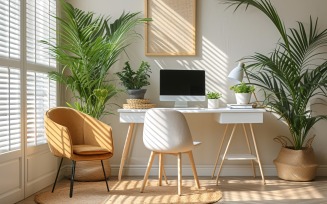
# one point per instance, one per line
(126, 149)
(221, 144)
(257, 153)
(160, 169)
(250, 150)
(222, 160)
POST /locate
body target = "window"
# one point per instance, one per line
(25, 89)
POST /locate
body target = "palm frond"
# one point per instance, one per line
(293, 74)
(90, 45)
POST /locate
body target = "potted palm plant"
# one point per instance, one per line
(243, 92)
(213, 99)
(291, 81)
(89, 47)
(134, 81)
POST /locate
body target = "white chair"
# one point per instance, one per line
(166, 132)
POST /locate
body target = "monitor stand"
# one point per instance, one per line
(180, 104)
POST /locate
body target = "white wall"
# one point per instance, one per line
(223, 37)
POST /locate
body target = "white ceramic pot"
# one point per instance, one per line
(213, 103)
(243, 98)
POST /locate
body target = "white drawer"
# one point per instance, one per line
(130, 117)
(234, 118)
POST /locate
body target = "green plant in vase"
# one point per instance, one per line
(213, 95)
(242, 88)
(134, 81)
(213, 99)
(243, 92)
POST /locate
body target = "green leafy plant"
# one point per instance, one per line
(135, 79)
(293, 75)
(213, 95)
(88, 48)
(243, 88)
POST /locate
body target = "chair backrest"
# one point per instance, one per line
(70, 118)
(167, 131)
(66, 127)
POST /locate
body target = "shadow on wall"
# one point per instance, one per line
(213, 61)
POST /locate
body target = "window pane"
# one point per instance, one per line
(10, 109)
(41, 95)
(10, 29)
(40, 25)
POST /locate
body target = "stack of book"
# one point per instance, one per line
(241, 106)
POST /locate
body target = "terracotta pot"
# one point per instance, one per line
(296, 165)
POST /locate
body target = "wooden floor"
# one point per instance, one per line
(246, 190)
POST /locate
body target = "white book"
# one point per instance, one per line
(240, 106)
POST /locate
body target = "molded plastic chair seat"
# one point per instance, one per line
(167, 132)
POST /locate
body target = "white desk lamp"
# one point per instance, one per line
(236, 75)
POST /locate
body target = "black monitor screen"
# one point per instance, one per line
(182, 82)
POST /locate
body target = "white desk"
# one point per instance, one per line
(223, 116)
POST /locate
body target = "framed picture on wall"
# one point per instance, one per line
(172, 30)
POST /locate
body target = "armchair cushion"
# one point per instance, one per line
(89, 150)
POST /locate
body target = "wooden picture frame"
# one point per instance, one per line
(172, 31)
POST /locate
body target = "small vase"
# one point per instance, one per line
(243, 98)
(213, 103)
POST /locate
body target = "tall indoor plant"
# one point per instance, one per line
(291, 77)
(88, 48)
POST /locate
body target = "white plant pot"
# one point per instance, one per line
(243, 98)
(213, 103)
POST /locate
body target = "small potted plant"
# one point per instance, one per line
(243, 92)
(213, 99)
(133, 81)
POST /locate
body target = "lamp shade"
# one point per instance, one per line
(236, 75)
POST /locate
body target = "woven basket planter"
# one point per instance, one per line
(296, 165)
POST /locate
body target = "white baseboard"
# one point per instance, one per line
(205, 170)
(202, 170)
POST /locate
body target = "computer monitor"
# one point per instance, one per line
(182, 86)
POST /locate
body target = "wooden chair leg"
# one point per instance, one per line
(179, 163)
(147, 171)
(190, 154)
(164, 173)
